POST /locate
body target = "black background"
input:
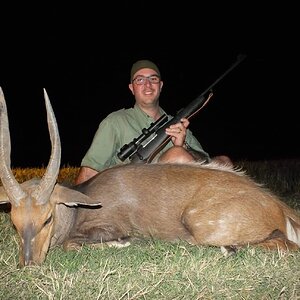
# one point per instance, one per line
(82, 56)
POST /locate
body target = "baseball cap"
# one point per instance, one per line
(142, 64)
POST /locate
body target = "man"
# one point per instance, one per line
(122, 126)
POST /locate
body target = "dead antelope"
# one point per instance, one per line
(201, 204)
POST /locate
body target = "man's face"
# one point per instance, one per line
(146, 87)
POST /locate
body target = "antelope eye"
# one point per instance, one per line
(48, 221)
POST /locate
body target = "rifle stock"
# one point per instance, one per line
(146, 153)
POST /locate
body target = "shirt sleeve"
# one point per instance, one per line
(193, 143)
(103, 147)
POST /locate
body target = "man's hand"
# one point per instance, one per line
(178, 132)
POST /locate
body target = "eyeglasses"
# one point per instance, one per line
(139, 80)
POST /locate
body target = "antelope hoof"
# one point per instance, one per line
(228, 250)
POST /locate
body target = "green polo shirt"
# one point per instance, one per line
(120, 128)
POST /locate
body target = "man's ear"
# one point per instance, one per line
(131, 88)
(161, 85)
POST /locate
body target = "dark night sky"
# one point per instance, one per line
(83, 55)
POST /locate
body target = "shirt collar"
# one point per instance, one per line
(139, 110)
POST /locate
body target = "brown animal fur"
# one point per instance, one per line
(201, 204)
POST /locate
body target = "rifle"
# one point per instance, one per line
(139, 153)
(129, 149)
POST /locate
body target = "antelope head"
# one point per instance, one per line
(31, 211)
(42, 210)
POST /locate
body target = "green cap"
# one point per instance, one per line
(142, 64)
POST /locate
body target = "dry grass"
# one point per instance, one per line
(66, 174)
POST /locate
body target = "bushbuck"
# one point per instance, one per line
(202, 204)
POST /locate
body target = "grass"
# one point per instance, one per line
(153, 269)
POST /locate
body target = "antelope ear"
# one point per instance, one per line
(70, 197)
(3, 196)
